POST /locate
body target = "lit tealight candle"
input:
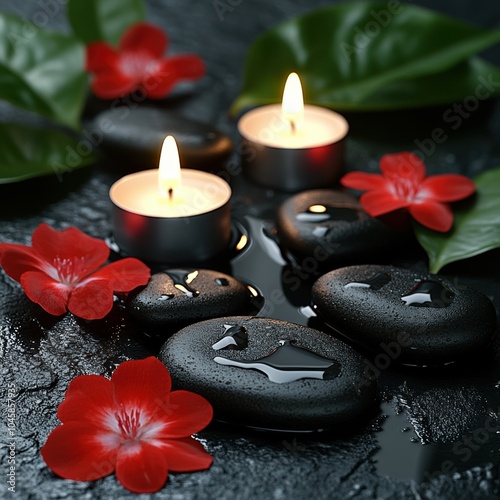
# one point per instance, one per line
(292, 146)
(171, 214)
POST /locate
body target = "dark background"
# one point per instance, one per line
(439, 408)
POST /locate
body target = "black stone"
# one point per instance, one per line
(289, 377)
(332, 228)
(134, 136)
(414, 318)
(41, 354)
(182, 296)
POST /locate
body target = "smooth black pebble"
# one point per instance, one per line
(270, 374)
(181, 296)
(134, 137)
(332, 228)
(409, 317)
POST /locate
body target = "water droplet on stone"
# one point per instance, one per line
(322, 213)
(182, 281)
(428, 294)
(165, 296)
(289, 363)
(235, 338)
(376, 282)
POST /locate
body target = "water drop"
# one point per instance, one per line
(322, 213)
(182, 281)
(289, 363)
(376, 282)
(235, 338)
(165, 296)
(428, 293)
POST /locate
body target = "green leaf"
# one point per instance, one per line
(349, 60)
(103, 20)
(27, 152)
(476, 227)
(41, 71)
(473, 77)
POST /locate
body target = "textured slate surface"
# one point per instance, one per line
(40, 354)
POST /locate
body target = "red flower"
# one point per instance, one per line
(131, 424)
(60, 271)
(404, 185)
(139, 64)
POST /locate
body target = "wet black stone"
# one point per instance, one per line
(421, 319)
(342, 233)
(327, 386)
(182, 296)
(134, 137)
(41, 353)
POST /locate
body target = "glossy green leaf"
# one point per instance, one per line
(27, 152)
(41, 71)
(361, 56)
(106, 20)
(473, 77)
(476, 227)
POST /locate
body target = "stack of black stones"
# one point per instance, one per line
(276, 375)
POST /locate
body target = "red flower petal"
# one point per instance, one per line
(146, 38)
(403, 165)
(186, 455)
(381, 202)
(85, 253)
(111, 85)
(18, 259)
(141, 467)
(434, 215)
(143, 384)
(447, 187)
(45, 291)
(75, 451)
(158, 86)
(188, 66)
(91, 300)
(185, 413)
(124, 275)
(101, 57)
(169, 71)
(362, 181)
(88, 398)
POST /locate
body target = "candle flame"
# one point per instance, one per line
(292, 107)
(169, 173)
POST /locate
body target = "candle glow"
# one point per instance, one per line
(169, 171)
(295, 146)
(292, 107)
(169, 214)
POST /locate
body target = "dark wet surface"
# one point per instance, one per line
(440, 436)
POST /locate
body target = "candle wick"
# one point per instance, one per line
(170, 194)
(293, 126)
